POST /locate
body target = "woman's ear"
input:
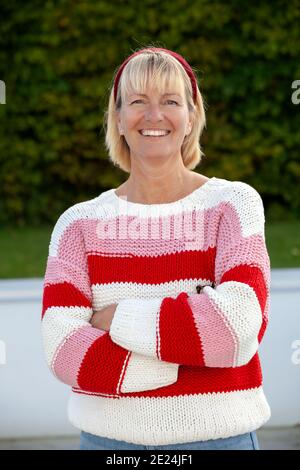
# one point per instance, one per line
(190, 123)
(189, 128)
(119, 123)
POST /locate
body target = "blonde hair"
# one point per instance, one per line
(161, 70)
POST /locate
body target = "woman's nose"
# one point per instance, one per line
(153, 112)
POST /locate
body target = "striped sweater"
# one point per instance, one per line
(191, 279)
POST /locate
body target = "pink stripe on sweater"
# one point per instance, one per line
(241, 252)
(71, 352)
(58, 271)
(72, 236)
(218, 341)
(151, 243)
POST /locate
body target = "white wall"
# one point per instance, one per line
(280, 361)
(34, 403)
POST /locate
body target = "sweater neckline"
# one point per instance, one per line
(166, 205)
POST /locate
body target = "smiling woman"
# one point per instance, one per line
(154, 91)
(154, 308)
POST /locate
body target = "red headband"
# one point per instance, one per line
(180, 59)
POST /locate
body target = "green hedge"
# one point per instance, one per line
(58, 58)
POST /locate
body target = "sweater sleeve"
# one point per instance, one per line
(78, 354)
(223, 325)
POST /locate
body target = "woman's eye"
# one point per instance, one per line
(168, 101)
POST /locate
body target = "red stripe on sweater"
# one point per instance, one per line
(104, 269)
(199, 380)
(184, 344)
(63, 295)
(194, 380)
(101, 368)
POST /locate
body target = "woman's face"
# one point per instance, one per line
(165, 111)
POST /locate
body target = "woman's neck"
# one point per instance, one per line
(159, 192)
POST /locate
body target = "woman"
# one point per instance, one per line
(156, 293)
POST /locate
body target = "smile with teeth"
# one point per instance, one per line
(156, 133)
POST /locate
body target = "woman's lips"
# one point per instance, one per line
(151, 136)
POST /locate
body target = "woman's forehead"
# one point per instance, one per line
(149, 89)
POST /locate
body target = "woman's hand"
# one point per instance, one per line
(102, 318)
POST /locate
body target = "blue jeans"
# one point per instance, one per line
(246, 441)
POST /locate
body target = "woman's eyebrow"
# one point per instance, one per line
(165, 94)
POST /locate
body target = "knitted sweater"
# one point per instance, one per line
(191, 279)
